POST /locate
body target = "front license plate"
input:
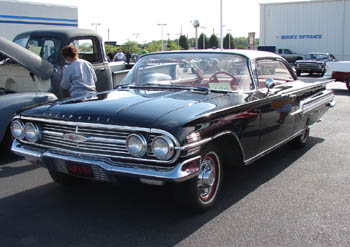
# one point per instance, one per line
(79, 170)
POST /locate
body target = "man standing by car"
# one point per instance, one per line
(79, 76)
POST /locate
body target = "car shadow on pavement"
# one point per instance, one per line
(341, 92)
(127, 215)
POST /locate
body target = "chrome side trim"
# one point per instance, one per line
(309, 104)
(263, 153)
(174, 174)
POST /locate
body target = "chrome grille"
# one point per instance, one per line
(308, 66)
(95, 139)
(100, 140)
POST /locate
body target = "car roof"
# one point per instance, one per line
(66, 33)
(251, 54)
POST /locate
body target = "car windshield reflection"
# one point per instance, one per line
(228, 72)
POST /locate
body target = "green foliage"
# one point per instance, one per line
(85, 47)
(172, 46)
(154, 46)
(200, 41)
(183, 42)
(130, 46)
(110, 49)
(228, 42)
(213, 41)
(242, 42)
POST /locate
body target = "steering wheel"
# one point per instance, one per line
(233, 82)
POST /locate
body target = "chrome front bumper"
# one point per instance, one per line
(180, 172)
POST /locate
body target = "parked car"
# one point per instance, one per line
(177, 118)
(340, 71)
(289, 55)
(313, 63)
(31, 65)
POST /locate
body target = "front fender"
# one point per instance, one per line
(10, 104)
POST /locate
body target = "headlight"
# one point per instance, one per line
(163, 147)
(31, 132)
(136, 145)
(17, 129)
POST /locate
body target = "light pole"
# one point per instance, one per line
(96, 24)
(196, 25)
(229, 38)
(136, 35)
(162, 25)
(178, 39)
(204, 37)
(221, 40)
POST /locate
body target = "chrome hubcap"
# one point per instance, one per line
(207, 178)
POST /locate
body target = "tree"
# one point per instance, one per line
(154, 46)
(183, 42)
(200, 41)
(172, 46)
(213, 41)
(228, 42)
(130, 46)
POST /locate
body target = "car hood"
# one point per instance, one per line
(34, 63)
(142, 108)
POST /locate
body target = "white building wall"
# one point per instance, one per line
(303, 27)
(17, 17)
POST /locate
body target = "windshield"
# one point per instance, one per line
(318, 57)
(217, 71)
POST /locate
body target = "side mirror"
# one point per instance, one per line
(270, 83)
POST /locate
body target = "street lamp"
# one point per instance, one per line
(178, 39)
(221, 40)
(136, 35)
(162, 25)
(96, 24)
(196, 25)
(204, 37)
(229, 38)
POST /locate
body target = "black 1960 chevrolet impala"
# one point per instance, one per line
(178, 117)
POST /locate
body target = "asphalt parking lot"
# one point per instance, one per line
(288, 198)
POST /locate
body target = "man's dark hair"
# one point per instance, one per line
(69, 51)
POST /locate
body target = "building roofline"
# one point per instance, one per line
(39, 3)
(301, 1)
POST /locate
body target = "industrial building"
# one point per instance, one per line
(307, 26)
(19, 16)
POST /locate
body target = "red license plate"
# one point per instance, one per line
(79, 170)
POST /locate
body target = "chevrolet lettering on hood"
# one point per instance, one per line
(177, 118)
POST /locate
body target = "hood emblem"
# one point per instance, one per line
(74, 137)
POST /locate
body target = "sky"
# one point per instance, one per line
(137, 20)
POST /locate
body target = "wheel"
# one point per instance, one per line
(298, 72)
(347, 82)
(64, 179)
(301, 140)
(201, 192)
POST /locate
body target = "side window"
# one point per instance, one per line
(34, 46)
(87, 49)
(272, 69)
(279, 51)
